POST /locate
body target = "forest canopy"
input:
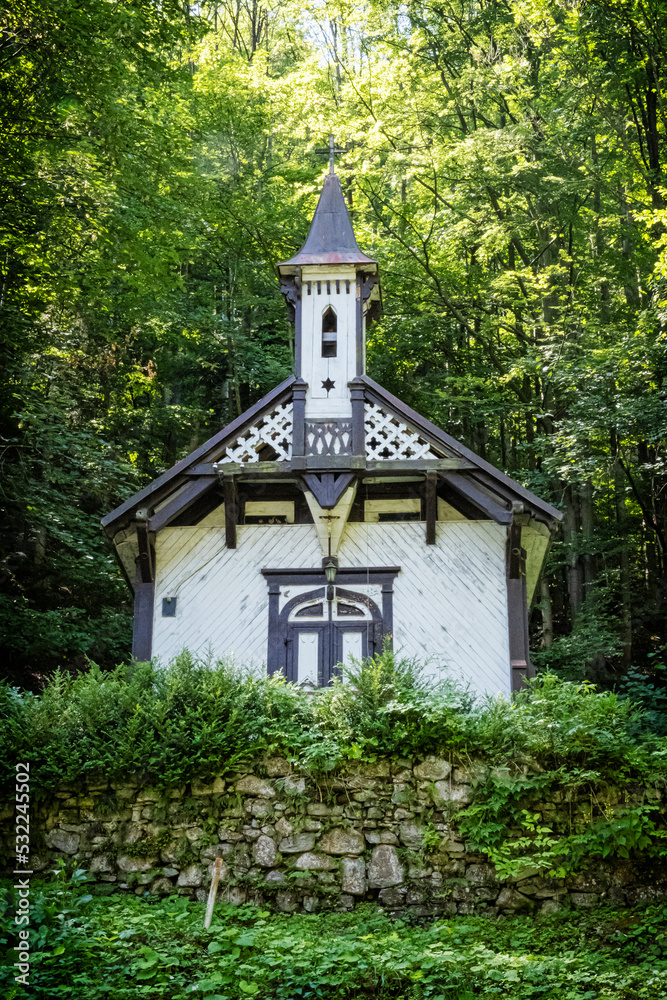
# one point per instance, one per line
(505, 164)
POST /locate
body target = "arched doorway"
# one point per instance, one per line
(321, 634)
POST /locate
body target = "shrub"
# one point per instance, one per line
(197, 717)
(166, 726)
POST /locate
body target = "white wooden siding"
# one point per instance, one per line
(222, 597)
(314, 368)
(450, 599)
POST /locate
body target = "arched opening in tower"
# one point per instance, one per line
(329, 333)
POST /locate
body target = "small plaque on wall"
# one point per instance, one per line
(168, 607)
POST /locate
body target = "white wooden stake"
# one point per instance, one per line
(217, 871)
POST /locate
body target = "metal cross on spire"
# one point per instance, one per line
(331, 151)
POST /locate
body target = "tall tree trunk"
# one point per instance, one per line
(651, 549)
(575, 587)
(620, 486)
(599, 240)
(547, 613)
(587, 535)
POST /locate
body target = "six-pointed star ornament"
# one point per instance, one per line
(328, 385)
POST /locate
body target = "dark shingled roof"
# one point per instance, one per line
(331, 237)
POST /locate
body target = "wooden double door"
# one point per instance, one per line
(322, 635)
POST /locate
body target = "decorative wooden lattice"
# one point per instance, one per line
(273, 430)
(387, 438)
(331, 437)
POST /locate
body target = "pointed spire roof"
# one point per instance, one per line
(331, 238)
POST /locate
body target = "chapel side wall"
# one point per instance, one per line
(222, 597)
(450, 599)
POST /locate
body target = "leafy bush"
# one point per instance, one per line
(594, 638)
(164, 725)
(62, 943)
(564, 722)
(196, 717)
(649, 690)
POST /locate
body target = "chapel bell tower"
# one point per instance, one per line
(333, 290)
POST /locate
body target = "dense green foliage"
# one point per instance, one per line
(505, 164)
(166, 727)
(141, 947)
(195, 718)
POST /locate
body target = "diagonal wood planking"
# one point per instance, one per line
(450, 599)
(222, 597)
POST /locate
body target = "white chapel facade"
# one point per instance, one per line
(330, 518)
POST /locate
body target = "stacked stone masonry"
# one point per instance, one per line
(385, 832)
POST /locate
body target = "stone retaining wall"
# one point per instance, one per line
(385, 832)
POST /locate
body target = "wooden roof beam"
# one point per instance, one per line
(193, 491)
(466, 488)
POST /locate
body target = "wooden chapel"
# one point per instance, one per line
(330, 517)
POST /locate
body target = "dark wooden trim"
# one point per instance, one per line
(328, 487)
(276, 653)
(203, 453)
(357, 400)
(280, 656)
(431, 506)
(517, 610)
(515, 554)
(501, 490)
(161, 494)
(310, 595)
(438, 436)
(202, 469)
(466, 487)
(298, 330)
(146, 558)
(142, 626)
(280, 640)
(193, 491)
(231, 511)
(388, 609)
(347, 574)
(299, 390)
(372, 632)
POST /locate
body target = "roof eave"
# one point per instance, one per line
(125, 512)
(360, 261)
